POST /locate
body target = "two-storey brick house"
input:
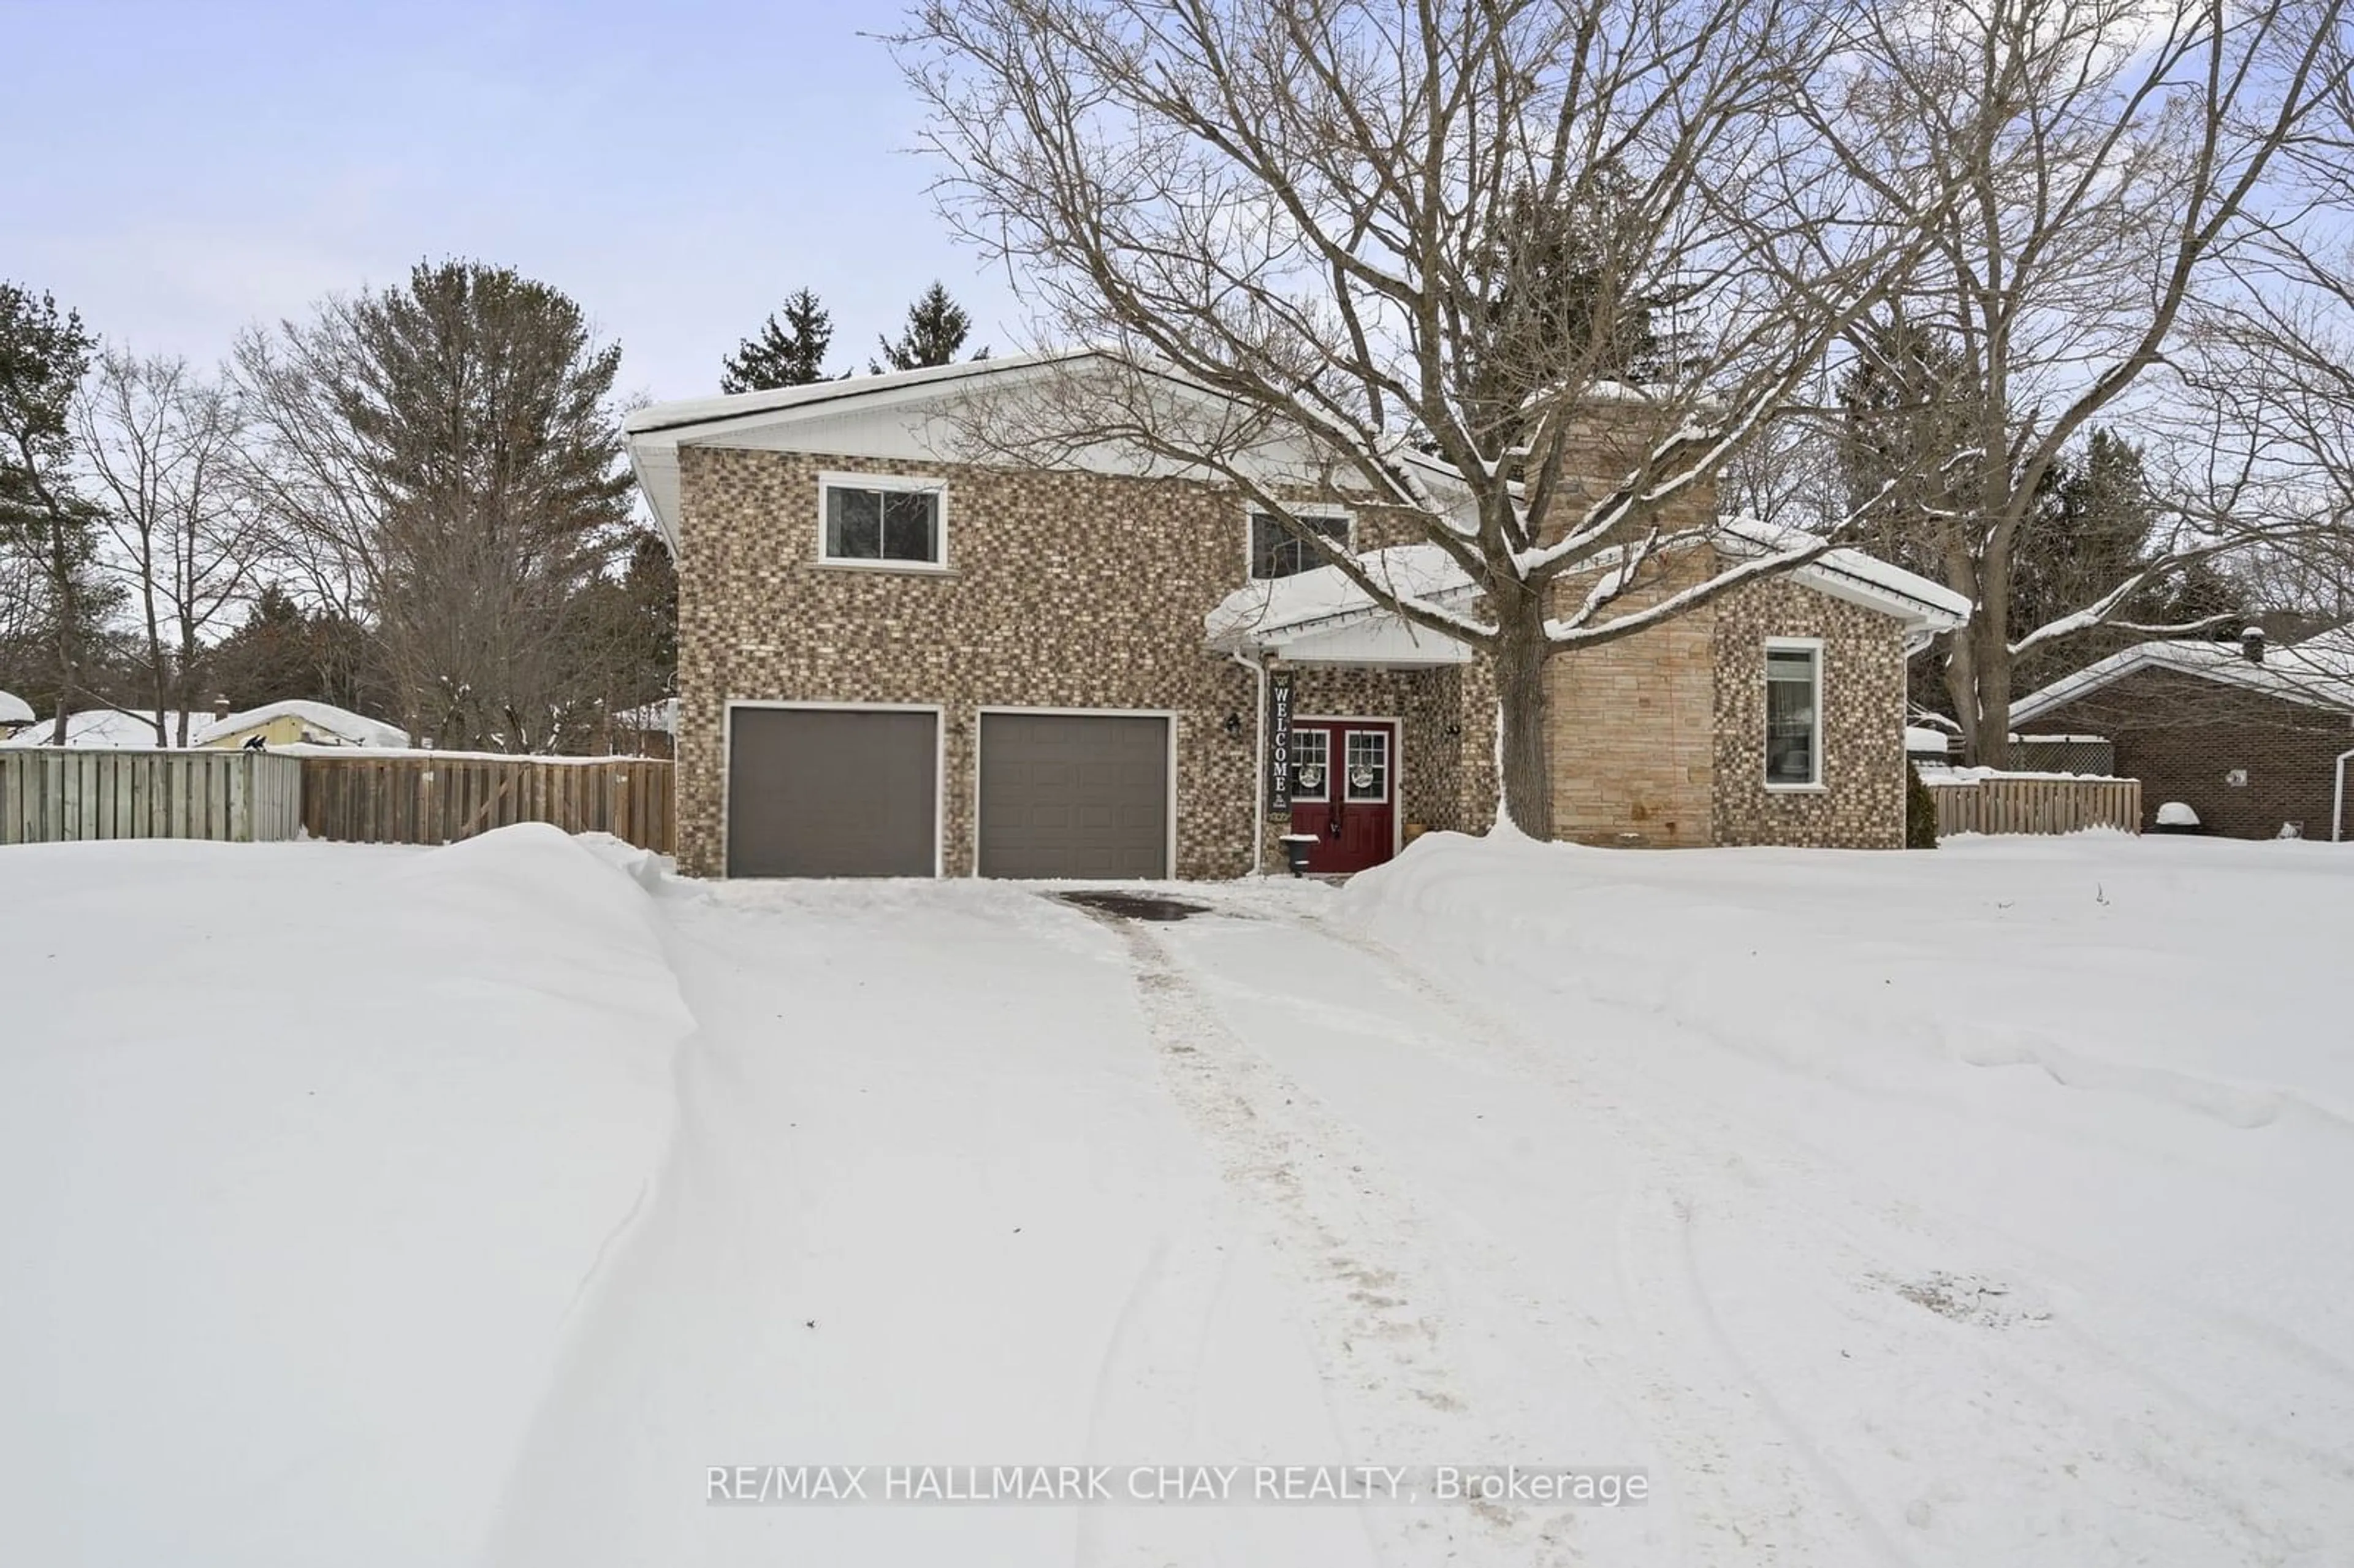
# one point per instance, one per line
(895, 660)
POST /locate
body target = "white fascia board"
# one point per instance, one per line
(655, 468)
(1916, 615)
(1381, 638)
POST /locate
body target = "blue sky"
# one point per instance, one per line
(177, 169)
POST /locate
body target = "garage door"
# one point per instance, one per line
(1066, 795)
(821, 793)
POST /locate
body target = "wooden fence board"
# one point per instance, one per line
(1997, 804)
(424, 799)
(51, 795)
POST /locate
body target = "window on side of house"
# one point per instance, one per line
(1275, 551)
(884, 523)
(1794, 714)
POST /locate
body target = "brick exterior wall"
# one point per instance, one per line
(2183, 736)
(1862, 802)
(1063, 590)
(1080, 590)
(1632, 723)
(1426, 704)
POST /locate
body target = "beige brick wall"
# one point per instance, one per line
(1064, 590)
(1630, 722)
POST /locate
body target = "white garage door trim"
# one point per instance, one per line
(1168, 851)
(940, 761)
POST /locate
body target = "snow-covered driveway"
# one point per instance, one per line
(1976, 1208)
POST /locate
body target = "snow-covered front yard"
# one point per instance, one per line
(474, 1205)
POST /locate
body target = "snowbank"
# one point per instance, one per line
(2006, 1177)
(311, 1151)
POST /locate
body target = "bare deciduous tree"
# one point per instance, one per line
(1418, 237)
(162, 445)
(2121, 163)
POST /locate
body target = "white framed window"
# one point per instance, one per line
(883, 520)
(1311, 764)
(1368, 773)
(1277, 551)
(1793, 713)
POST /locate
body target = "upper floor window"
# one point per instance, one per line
(1794, 714)
(1276, 551)
(883, 519)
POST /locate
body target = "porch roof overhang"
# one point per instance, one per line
(1386, 639)
(1321, 616)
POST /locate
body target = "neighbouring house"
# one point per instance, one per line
(296, 723)
(274, 724)
(2252, 738)
(647, 731)
(16, 713)
(896, 660)
(110, 728)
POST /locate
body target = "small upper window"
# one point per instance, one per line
(1794, 714)
(1276, 551)
(891, 524)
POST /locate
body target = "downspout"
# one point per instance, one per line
(1258, 762)
(2337, 807)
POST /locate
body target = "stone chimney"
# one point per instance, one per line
(220, 707)
(2252, 644)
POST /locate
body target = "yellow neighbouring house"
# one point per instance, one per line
(298, 723)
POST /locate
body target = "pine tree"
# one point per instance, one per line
(43, 357)
(787, 354)
(936, 328)
(2095, 526)
(282, 651)
(483, 404)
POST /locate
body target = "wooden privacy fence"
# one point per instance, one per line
(65, 795)
(1999, 804)
(428, 798)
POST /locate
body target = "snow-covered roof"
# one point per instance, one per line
(1324, 593)
(108, 728)
(319, 720)
(662, 716)
(654, 433)
(1851, 574)
(15, 709)
(660, 417)
(1921, 737)
(1257, 614)
(2317, 672)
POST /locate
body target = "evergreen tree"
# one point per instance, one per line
(2095, 527)
(483, 408)
(1901, 427)
(44, 356)
(1547, 307)
(936, 328)
(282, 651)
(787, 354)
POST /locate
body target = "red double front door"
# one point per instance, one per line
(1344, 792)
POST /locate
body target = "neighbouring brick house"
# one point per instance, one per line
(897, 661)
(2250, 738)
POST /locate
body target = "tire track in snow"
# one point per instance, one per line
(1728, 1429)
(1374, 1293)
(1800, 1206)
